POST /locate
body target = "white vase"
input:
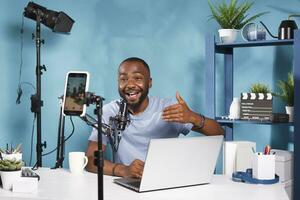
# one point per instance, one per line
(8, 178)
(290, 111)
(235, 108)
(227, 35)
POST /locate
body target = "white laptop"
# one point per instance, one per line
(177, 162)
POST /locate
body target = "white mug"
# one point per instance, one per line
(77, 162)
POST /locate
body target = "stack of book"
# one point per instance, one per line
(256, 106)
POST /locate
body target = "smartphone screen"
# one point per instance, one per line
(74, 96)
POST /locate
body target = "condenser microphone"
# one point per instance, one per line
(122, 117)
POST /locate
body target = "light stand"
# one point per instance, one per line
(36, 102)
(58, 22)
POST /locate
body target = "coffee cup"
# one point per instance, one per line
(77, 162)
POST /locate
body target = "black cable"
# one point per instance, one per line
(31, 143)
(73, 127)
(19, 90)
(72, 132)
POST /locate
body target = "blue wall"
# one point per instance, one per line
(168, 34)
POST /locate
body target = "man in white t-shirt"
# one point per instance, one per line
(150, 117)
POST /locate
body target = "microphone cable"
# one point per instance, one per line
(72, 132)
(63, 142)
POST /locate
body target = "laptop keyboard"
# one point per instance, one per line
(135, 184)
(129, 182)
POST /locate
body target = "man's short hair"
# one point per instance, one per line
(136, 59)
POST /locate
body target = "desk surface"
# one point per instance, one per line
(60, 184)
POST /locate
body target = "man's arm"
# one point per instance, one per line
(181, 113)
(205, 125)
(135, 169)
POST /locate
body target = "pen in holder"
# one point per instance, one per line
(263, 166)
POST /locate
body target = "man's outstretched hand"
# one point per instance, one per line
(179, 112)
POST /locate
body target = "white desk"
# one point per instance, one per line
(60, 184)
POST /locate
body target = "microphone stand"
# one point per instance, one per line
(99, 154)
(107, 130)
(98, 161)
(60, 153)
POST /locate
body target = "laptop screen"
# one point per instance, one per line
(177, 162)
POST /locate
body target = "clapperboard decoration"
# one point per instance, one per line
(256, 106)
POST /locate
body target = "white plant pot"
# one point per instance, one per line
(228, 35)
(290, 111)
(8, 178)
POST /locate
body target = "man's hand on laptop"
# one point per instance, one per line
(135, 169)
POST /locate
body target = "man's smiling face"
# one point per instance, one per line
(134, 83)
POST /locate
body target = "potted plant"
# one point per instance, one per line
(231, 17)
(10, 171)
(286, 94)
(259, 88)
(258, 103)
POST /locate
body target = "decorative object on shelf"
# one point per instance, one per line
(287, 94)
(235, 109)
(256, 106)
(10, 172)
(286, 28)
(231, 17)
(279, 118)
(253, 32)
(290, 111)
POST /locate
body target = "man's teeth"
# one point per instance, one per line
(133, 93)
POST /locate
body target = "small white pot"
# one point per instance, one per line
(290, 111)
(228, 35)
(8, 178)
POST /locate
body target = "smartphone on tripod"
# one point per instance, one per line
(76, 86)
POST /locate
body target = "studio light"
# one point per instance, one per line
(56, 21)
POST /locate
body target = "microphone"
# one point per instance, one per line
(122, 116)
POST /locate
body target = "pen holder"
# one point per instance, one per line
(263, 166)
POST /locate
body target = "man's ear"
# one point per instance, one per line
(150, 82)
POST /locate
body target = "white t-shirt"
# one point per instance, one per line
(142, 127)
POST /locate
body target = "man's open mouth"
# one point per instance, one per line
(132, 96)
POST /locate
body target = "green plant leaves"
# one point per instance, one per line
(232, 16)
(259, 88)
(10, 165)
(286, 90)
